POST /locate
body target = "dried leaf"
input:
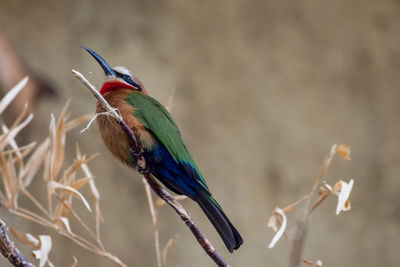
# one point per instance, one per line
(12, 133)
(169, 247)
(10, 180)
(290, 207)
(63, 206)
(65, 223)
(54, 185)
(14, 183)
(58, 139)
(343, 151)
(342, 190)
(347, 206)
(317, 263)
(325, 188)
(54, 150)
(9, 97)
(58, 142)
(323, 194)
(69, 174)
(26, 239)
(42, 253)
(12, 143)
(34, 163)
(278, 223)
(94, 193)
(93, 189)
(75, 262)
(81, 182)
(345, 190)
(77, 121)
(8, 183)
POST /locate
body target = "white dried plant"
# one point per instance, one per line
(21, 164)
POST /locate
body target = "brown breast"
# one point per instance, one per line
(113, 136)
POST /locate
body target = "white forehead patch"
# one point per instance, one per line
(123, 70)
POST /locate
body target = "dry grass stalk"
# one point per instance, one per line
(19, 168)
(278, 220)
(157, 188)
(154, 206)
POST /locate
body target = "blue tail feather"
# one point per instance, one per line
(172, 174)
(181, 179)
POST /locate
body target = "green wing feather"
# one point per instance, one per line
(157, 119)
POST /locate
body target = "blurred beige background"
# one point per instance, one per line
(262, 91)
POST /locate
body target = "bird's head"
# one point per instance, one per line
(117, 77)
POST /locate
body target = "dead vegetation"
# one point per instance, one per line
(21, 164)
(278, 221)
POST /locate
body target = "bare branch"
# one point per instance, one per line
(9, 251)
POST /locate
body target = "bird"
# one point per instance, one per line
(166, 155)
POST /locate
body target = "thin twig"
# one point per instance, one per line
(319, 201)
(301, 229)
(35, 201)
(84, 225)
(160, 191)
(325, 166)
(31, 216)
(9, 251)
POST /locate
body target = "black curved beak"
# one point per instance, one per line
(107, 68)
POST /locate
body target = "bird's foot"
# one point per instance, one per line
(136, 154)
(145, 170)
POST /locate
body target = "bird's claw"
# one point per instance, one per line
(136, 154)
(143, 170)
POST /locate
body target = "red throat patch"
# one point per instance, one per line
(114, 85)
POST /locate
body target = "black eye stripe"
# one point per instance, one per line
(128, 79)
(120, 75)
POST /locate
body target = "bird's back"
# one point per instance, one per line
(157, 120)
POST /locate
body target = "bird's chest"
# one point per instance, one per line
(112, 134)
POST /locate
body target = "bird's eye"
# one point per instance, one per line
(129, 80)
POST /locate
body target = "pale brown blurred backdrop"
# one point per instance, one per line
(262, 91)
